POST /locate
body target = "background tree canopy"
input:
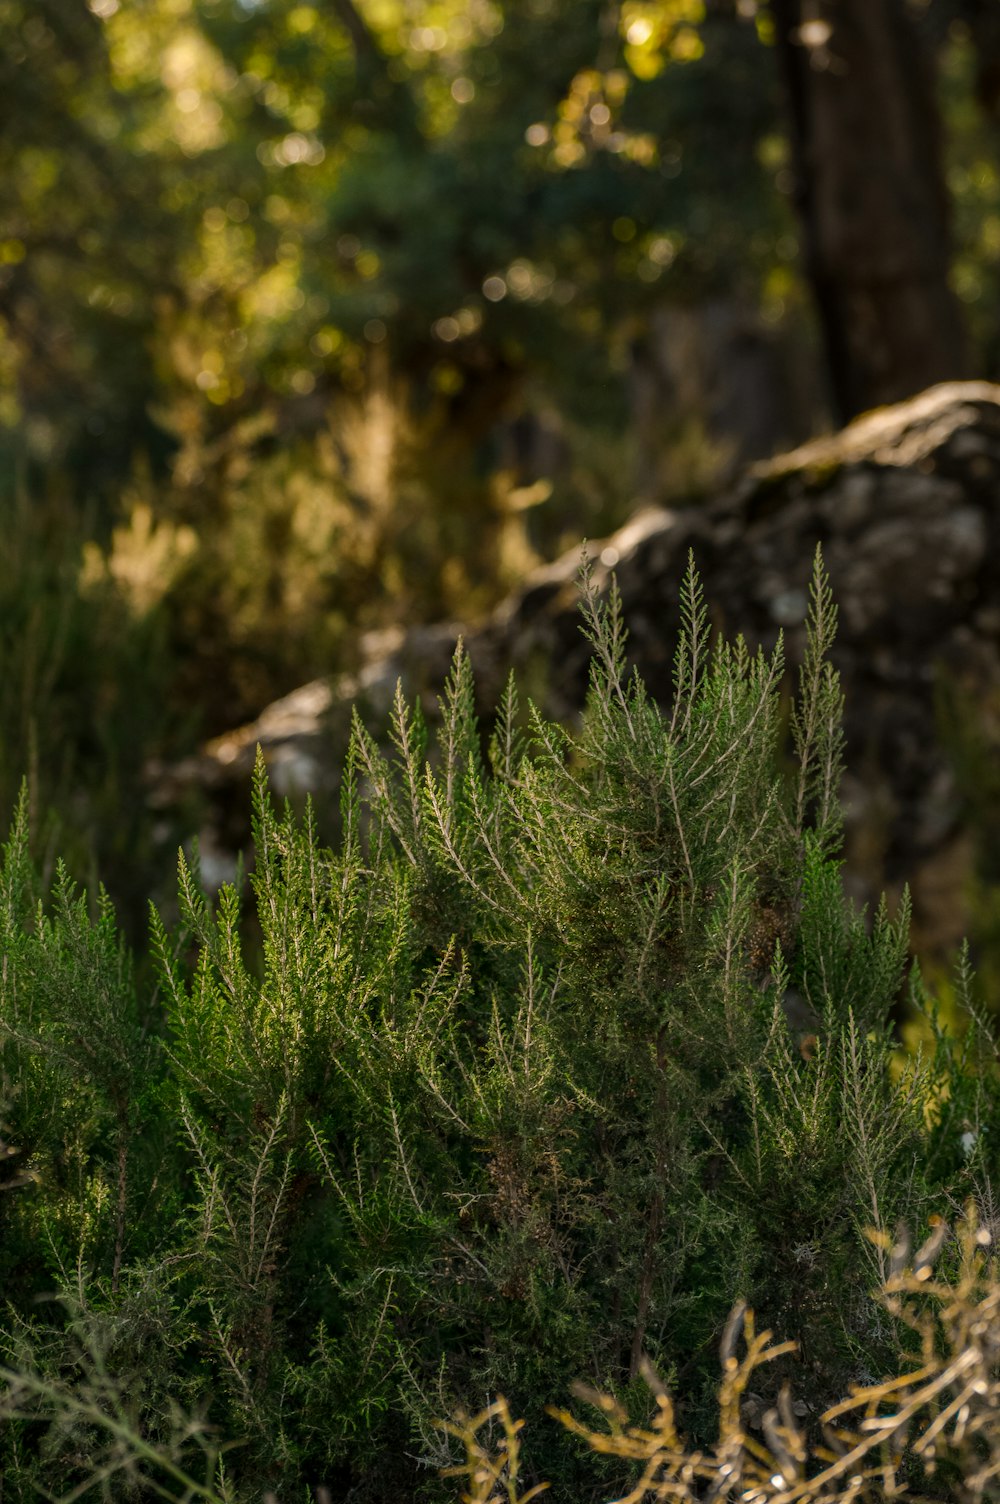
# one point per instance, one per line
(318, 316)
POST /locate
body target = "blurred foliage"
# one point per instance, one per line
(217, 212)
(315, 316)
(974, 182)
(970, 728)
(86, 670)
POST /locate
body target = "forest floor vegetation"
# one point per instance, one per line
(572, 1047)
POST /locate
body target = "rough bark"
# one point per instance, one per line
(871, 197)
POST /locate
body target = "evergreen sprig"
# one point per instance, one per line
(570, 1044)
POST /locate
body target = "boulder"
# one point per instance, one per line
(906, 505)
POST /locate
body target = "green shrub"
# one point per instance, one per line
(930, 1431)
(573, 1043)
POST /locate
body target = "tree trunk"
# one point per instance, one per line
(871, 196)
(983, 19)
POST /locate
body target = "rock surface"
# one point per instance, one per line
(906, 505)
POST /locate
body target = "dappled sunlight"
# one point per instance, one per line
(144, 560)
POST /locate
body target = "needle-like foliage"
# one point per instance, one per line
(572, 1043)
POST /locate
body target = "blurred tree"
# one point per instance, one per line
(983, 19)
(871, 194)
